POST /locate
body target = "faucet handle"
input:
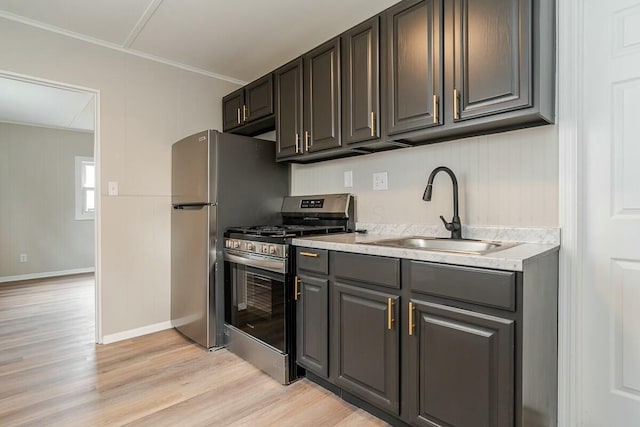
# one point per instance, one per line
(447, 225)
(451, 226)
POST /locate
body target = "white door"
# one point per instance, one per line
(610, 302)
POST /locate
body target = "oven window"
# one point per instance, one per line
(258, 304)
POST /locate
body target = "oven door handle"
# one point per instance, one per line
(275, 265)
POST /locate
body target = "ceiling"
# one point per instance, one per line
(237, 41)
(234, 40)
(29, 103)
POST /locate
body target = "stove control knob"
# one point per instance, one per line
(272, 250)
(236, 244)
(251, 246)
(264, 249)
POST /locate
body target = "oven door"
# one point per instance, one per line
(255, 290)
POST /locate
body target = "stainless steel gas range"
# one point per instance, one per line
(259, 280)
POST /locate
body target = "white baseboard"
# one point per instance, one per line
(132, 333)
(46, 274)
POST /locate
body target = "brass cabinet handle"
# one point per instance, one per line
(297, 142)
(456, 106)
(309, 254)
(412, 324)
(245, 116)
(436, 109)
(373, 123)
(306, 140)
(389, 313)
(296, 290)
(239, 116)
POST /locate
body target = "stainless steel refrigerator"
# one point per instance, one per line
(217, 181)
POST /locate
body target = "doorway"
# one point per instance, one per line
(49, 132)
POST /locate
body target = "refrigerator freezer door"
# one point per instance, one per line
(190, 170)
(190, 271)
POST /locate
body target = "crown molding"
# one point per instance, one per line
(119, 48)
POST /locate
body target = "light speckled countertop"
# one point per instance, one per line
(513, 258)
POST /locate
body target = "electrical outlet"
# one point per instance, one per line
(348, 179)
(380, 181)
(113, 188)
(23, 258)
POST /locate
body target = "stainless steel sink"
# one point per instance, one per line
(466, 246)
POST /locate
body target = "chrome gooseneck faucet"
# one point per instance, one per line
(455, 227)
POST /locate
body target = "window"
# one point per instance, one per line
(85, 188)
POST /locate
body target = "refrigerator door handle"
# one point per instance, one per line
(190, 207)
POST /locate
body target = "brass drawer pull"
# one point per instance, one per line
(389, 313)
(373, 123)
(296, 290)
(436, 109)
(456, 104)
(412, 324)
(309, 254)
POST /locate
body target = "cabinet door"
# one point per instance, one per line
(366, 339)
(322, 97)
(259, 98)
(288, 109)
(312, 331)
(462, 368)
(232, 110)
(361, 83)
(414, 61)
(492, 57)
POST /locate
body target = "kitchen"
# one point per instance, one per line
(144, 106)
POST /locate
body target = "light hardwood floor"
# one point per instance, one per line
(52, 373)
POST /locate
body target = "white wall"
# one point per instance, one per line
(144, 107)
(508, 178)
(37, 201)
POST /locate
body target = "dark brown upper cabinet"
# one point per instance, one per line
(232, 110)
(361, 82)
(289, 109)
(414, 65)
(249, 111)
(322, 97)
(258, 98)
(457, 68)
(308, 103)
(422, 71)
(491, 57)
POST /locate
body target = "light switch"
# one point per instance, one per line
(380, 181)
(348, 179)
(113, 188)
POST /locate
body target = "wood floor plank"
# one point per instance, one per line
(52, 373)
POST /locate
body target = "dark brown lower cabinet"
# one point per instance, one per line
(428, 344)
(461, 366)
(312, 332)
(366, 344)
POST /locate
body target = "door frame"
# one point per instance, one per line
(96, 158)
(569, 60)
